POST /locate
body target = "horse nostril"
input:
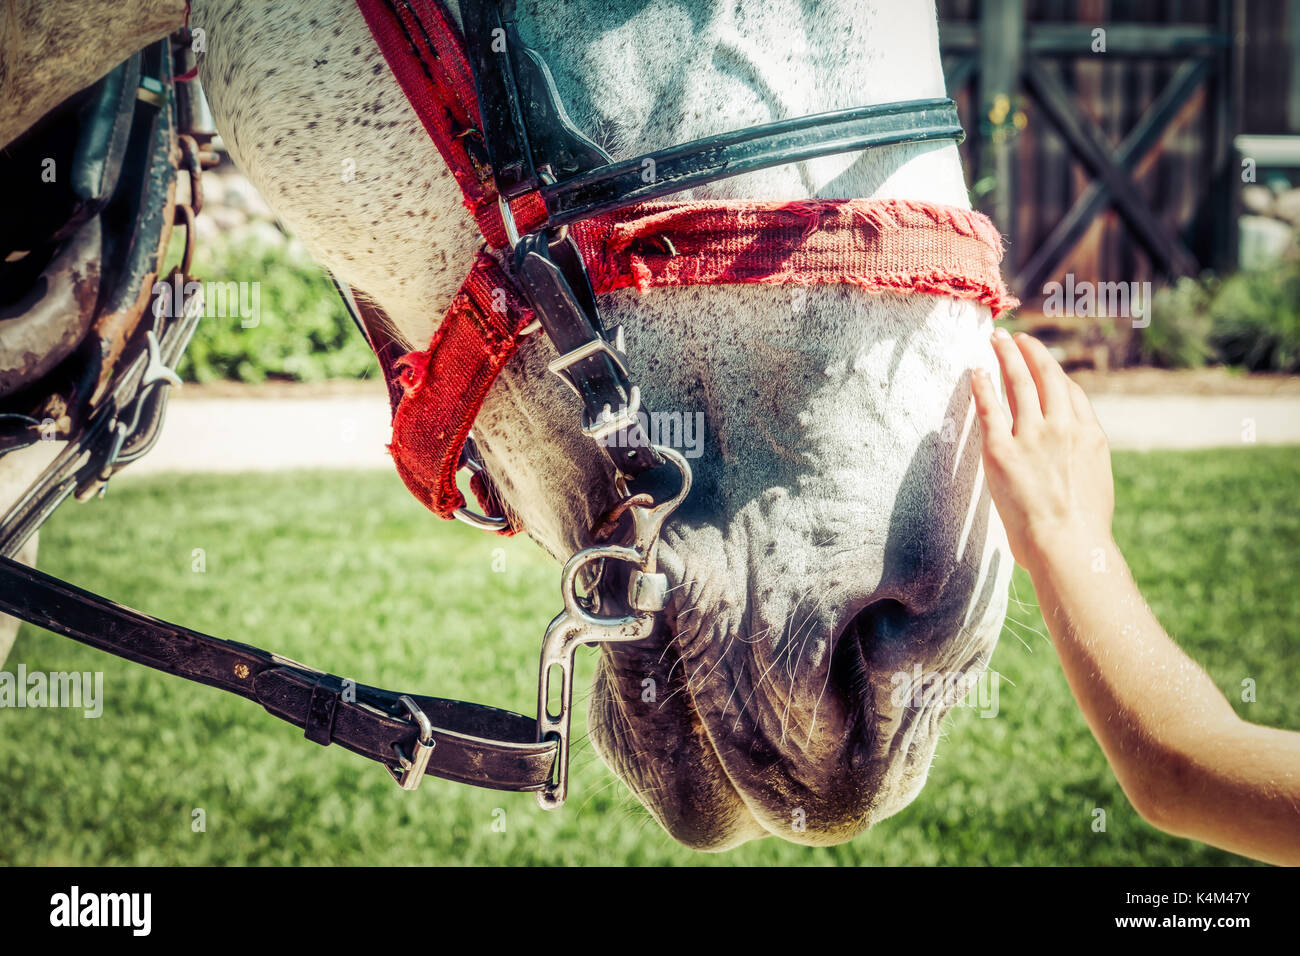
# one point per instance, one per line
(859, 640)
(879, 621)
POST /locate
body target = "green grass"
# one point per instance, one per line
(346, 572)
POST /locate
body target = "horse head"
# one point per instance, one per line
(838, 556)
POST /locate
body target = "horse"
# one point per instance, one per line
(838, 541)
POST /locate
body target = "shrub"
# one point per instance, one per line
(303, 333)
(1179, 332)
(1249, 320)
(1256, 320)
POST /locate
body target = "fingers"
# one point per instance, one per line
(1022, 391)
(1049, 377)
(994, 426)
(1083, 409)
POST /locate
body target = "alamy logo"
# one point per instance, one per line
(919, 689)
(242, 300)
(77, 690)
(75, 908)
(1086, 300)
(683, 431)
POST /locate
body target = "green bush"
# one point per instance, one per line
(303, 333)
(1248, 320)
(1256, 320)
(1179, 333)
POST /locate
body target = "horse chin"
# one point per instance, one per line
(868, 766)
(653, 739)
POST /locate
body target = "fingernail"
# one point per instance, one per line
(1001, 333)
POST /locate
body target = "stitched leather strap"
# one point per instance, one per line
(473, 744)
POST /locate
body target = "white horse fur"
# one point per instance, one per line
(840, 480)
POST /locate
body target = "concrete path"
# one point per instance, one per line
(1198, 421)
(350, 431)
(253, 434)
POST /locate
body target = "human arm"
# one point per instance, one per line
(1186, 761)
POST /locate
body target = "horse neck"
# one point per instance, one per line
(638, 77)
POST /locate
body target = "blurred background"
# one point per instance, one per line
(1142, 141)
(1150, 141)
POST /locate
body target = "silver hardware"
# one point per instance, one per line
(481, 521)
(575, 625)
(586, 350)
(608, 423)
(470, 517)
(508, 220)
(413, 767)
(155, 370)
(648, 592)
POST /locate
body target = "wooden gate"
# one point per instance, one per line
(1100, 134)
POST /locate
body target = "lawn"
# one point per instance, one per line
(346, 572)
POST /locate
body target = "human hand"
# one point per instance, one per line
(1048, 469)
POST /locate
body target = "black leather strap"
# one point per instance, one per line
(473, 744)
(532, 144)
(554, 280)
(701, 161)
(489, 46)
(325, 695)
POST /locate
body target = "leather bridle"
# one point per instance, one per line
(533, 182)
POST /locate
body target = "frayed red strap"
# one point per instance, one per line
(879, 245)
(445, 385)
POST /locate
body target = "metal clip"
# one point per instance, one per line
(576, 625)
(156, 370)
(607, 421)
(413, 767)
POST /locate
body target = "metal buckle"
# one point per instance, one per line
(607, 421)
(561, 363)
(413, 767)
(610, 422)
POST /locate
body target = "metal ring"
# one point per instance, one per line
(480, 521)
(472, 518)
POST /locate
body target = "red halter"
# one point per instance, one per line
(898, 246)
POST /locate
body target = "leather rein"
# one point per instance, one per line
(564, 223)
